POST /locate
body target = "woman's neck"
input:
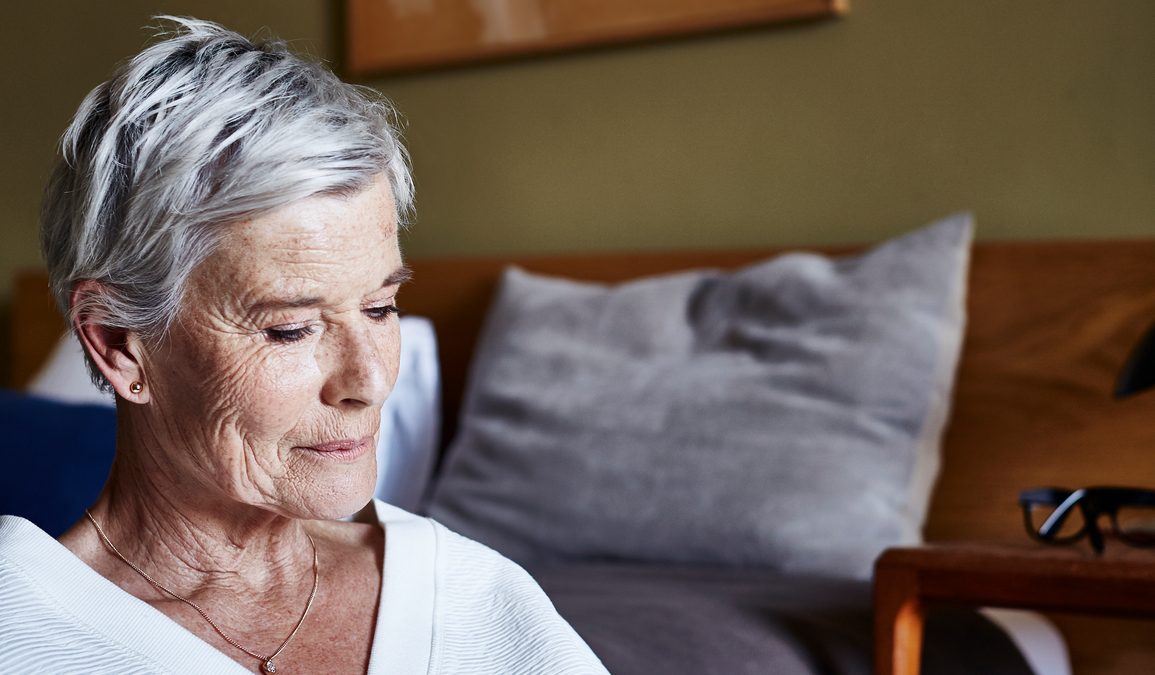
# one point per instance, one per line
(189, 536)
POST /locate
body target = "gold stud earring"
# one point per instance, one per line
(136, 387)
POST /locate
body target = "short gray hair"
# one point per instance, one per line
(202, 129)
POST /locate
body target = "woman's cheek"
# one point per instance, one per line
(285, 384)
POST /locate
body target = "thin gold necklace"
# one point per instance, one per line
(268, 664)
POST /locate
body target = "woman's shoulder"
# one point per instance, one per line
(421, 537)
(488, 607)
(455, 557)
(482, 612)
(468, 575)
(58, 612)
(25, 546)
(21, 543)
(460, 555)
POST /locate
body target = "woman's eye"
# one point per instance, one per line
(381, 313)
(287, 335)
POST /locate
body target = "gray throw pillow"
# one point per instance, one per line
(785, 415)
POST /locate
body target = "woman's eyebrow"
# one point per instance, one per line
(399, 276)
(266, 306)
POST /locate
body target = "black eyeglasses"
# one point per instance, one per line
(1061, 516)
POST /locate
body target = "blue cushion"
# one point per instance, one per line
(54, 458)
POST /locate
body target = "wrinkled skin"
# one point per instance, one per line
(254, 429)
(242, 384)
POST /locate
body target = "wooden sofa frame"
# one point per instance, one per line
(1049, 326)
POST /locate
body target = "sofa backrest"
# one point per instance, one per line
(1050, 325)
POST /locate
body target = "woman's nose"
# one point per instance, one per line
(363, 368)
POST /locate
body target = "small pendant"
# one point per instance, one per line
(269, 667)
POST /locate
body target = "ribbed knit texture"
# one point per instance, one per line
(39, 636)
(493, 617)
(449, 605)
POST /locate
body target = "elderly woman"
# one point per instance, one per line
(222, 233)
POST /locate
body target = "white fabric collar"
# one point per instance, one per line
(402, 638)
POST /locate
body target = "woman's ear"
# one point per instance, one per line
(117, 352)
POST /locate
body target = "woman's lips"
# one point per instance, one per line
(344, 450)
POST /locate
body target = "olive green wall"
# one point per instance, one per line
(1039, 115)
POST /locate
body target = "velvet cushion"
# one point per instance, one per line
(55, 458)
(785, 415)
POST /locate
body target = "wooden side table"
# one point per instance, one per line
(1068, 579)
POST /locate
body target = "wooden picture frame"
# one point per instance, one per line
(384, 36)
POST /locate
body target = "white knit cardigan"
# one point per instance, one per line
(448, 605)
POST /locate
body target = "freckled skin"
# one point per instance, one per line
(214, 487)
(229, 405)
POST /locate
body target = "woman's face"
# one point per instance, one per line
(268, 388)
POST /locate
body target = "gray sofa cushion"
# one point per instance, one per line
(785, 415)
